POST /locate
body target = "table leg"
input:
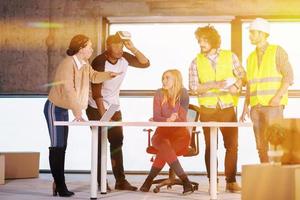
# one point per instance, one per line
(213, 163)
(103, 159)
(94, 162)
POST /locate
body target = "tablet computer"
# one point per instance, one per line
(109, 112)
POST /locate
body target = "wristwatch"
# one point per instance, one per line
(235, 85)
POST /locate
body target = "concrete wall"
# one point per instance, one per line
(31, 48)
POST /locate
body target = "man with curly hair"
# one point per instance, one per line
(215, 76)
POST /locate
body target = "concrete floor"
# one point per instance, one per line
(40, 188)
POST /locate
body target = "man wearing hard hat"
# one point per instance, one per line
(269, 74)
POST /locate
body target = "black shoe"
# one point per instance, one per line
(187, 187)
(124, 185)
(56, 160)
(233, 187)
(62, 192)
(146, 186)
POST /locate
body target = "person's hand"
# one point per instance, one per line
(233, 89)
(78, 116)
(244, 114)
(79, 119)
(114, 74)
(219, 84)
(129, 45)
(275, 101)
(173, 117)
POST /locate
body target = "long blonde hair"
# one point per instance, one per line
(173, 95)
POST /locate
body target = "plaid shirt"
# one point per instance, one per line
(194, 83)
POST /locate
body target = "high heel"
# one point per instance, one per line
(146, 185)
(63, 192)
(56, 160)
(149, 180)
(187, 187)
(54, 191)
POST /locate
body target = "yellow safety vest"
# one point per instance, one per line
(264, 80)
(207, 73)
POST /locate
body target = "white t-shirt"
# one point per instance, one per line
(110, 90)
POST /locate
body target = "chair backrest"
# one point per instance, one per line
(193, 115)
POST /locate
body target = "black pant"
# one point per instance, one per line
(115, 138)
(230, 138)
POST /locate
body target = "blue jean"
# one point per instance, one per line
(58, 134)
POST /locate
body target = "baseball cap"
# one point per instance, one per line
(260, 24)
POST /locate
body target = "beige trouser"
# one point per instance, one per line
(263, 117)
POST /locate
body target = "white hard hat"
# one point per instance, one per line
(260, 24)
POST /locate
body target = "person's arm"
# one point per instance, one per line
(99, 77)
(194, 84)
(142, 61)
(275, 101)
(285, 68)
(98, 65)
(157, 109)
(134, 61)
(246, 111)
(239, 73)
(96, 94)
(65, 73)
(184, 106)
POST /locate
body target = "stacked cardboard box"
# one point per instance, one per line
(21, 164)
(270, 182)
(2, 170)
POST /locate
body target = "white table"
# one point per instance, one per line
(95, 124)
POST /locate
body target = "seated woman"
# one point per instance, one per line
(170, 105)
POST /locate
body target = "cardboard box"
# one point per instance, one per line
(270, 182)
(2, 170)
(21, 164)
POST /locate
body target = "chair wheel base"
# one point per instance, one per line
(156, 190)
(195, 187)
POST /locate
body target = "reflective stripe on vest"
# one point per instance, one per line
(265, 80)
(207, 74)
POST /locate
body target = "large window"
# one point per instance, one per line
(167, 45)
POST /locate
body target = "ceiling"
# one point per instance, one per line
(198, 7)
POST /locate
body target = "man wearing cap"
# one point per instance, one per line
(107, 93)
(269, 74)
(215, 76)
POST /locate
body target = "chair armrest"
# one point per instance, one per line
(196, 132)
(149, 135)
(147, 130)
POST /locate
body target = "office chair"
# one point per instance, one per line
(193, 150)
